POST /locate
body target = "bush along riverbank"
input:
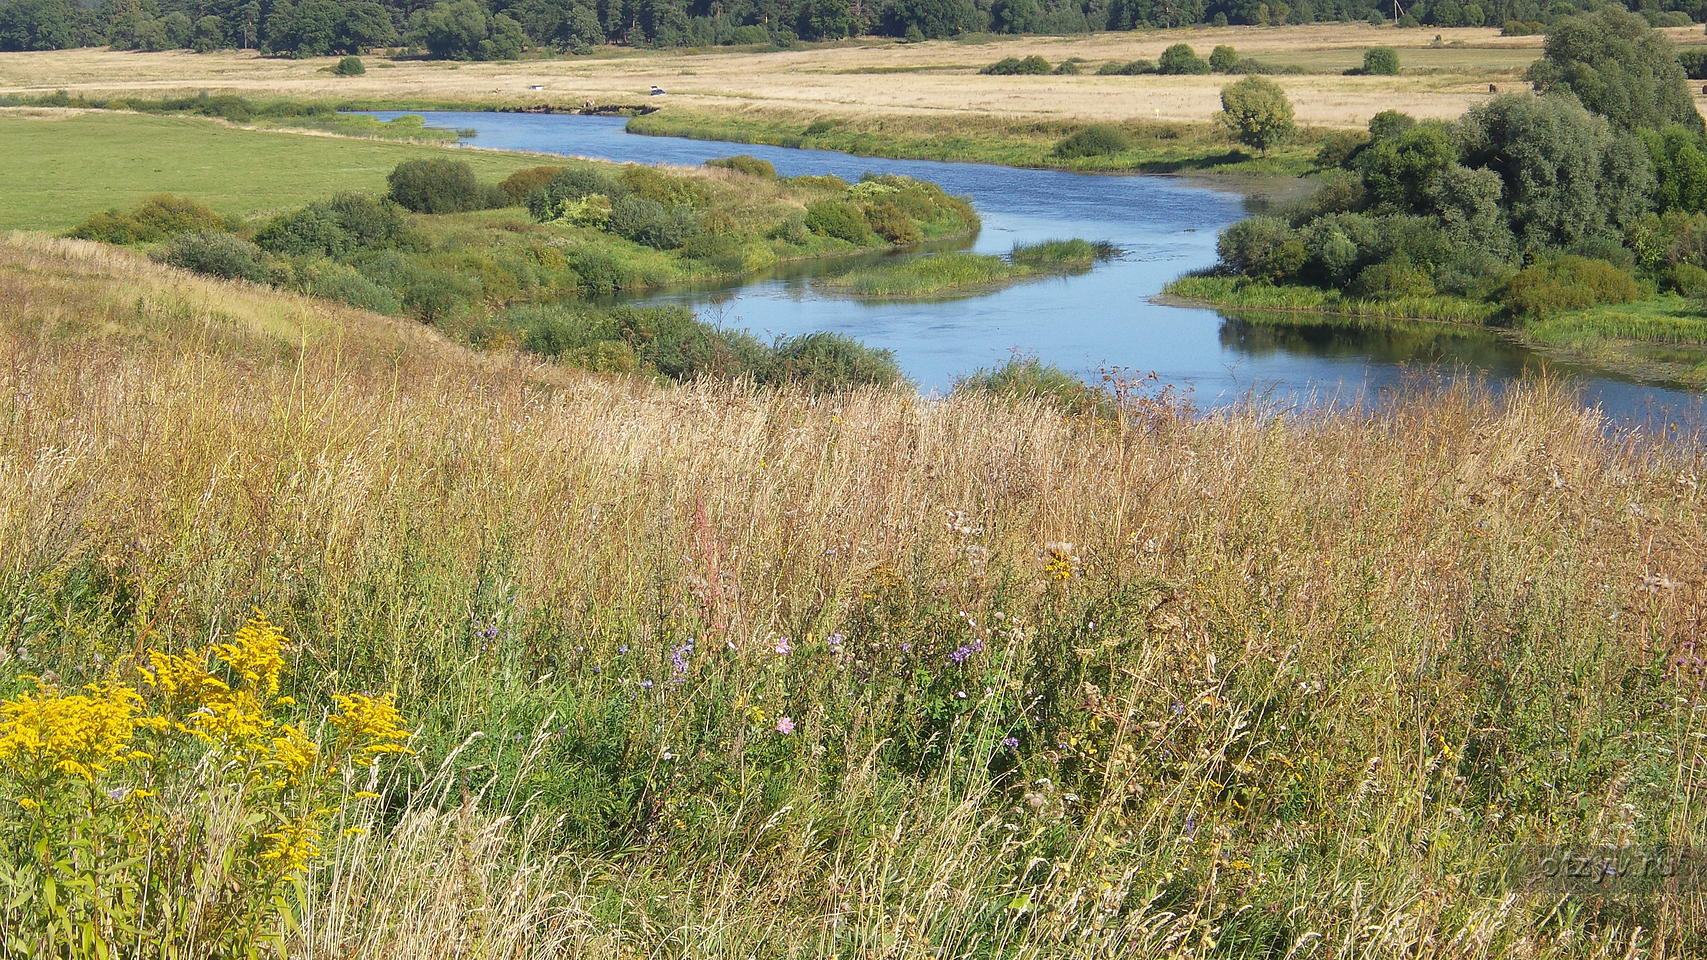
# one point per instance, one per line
(951, 275)
(1572, 217)
(1133, 147)
(448, 249)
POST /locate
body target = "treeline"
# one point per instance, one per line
(1591, 192)
(506, 29)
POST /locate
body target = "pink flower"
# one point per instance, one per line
(785, 726)
(783, 646)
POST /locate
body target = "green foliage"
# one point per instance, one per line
(668, 189)
(1181, 59)
(839, 219)
(1679, 158)
(520, 185)
(1096, 140)
(929, 19)
(437, 186)
(1565, 173)
(570, 184)
(1016, 66)
(650, 223)
(1131, 68)
(1619, 67)
(1686, 279)
(331, 280)
(1393, 280)
(742, 163)
(347, 224)
(826, 362)
(465, 30)
(1028, 379)
(1565, 283)
(1381, 61)
(1398, 169)
(1262, 247)
(216, 254)
(1256, 112)
(1223, 58)
(1339, 148)
(350, 66)
(155, 219)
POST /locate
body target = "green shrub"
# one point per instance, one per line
(1223, 58)
(1687, 279)
(666, 188)
(1694, 63)
(1181, 59)
(339, 228)
(841, 220)
(331, 280)
(517, 186)
(1381, 61)
(1522, 28)
(1252, 66)
(1019, 66)
(826, 362)
(350, 67)
(436, 186)
(889, 221)
(216, 254)
(427, 292)
(819, 127)
(1097, 140)
(742, 163)
(1263, 248)
(1131, 68)
(1392, 280)
(1339, 148)
(155, 219)
(1069, 68)
(1567, 283)
(572, 183)
(647, 222)
(1030, 379)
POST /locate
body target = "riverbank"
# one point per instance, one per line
(1154, 147)
(1660, 339)
(958, 275)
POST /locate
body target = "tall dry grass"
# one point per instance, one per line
(1275, 687)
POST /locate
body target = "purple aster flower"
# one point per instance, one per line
(1012, 743)
(965, 651)
(783, 646)
(785, 726)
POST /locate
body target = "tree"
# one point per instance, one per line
(1679, 158)
(36, 25)
(1222, 58)
(364, 25)
(1255, 110)
(451, 31)
(930, 19)
(1381, 61)
(1180, 58)
(1619, 67)
(209, 35)
(1397, 170)
(1566, 174)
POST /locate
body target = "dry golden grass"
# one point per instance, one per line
(867, 78)
(1309, 685)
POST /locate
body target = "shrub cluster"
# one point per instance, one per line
(441, 186)
(157, 218)
(1131, 68)
(1016, 66)
(1097, 140)
(742, 163)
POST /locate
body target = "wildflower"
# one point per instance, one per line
(964, 652)
(291, 845)
(906, 648)
(292, 755)
(1012, 743)
(80, 734)
(783, 646)
(785, 726)
(1059, 561)
(679, 659)
(255, 654)
(371, 725)
(835, 642)
(645, 684)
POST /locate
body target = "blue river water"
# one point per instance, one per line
(1090, 323)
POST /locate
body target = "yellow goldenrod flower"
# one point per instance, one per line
(79, 734)
(371, 725)
(255, 653)
(291, 845)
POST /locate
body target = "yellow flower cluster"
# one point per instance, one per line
(371, 727)
(210, 708)
(292, 844)
(1059, 561)
(80, 734)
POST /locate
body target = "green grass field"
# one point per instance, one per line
(62, 167)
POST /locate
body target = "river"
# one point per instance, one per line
(1089, 323)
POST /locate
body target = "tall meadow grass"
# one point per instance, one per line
(710, 670)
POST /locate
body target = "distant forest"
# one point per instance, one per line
(506, 29)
